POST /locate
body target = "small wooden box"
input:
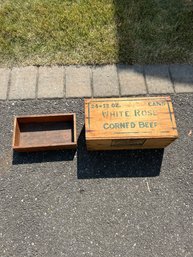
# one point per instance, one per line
(44, 132)
(129, 123)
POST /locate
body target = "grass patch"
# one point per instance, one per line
(44, 32)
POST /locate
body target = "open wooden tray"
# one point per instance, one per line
(44, 132)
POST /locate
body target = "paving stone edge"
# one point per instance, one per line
(73, 81)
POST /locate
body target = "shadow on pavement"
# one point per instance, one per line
(113, 164)
(100, 164)
(44, 156)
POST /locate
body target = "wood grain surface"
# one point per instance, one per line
(44, 132)
(129, 123)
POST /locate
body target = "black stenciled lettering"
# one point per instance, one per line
(146, 124)
(141, 124)
(115, 105)
(132, 124)
(113, 114)
(122, 125)
(137, 112)
(121, 113)
(145, 113)
(117, 125)
(111, 126)
(127, 114)
(105, 126)
(105, 114)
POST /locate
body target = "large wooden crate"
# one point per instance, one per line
(129, 123)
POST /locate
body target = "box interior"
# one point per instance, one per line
(44, 131)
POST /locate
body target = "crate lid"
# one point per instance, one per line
(115, 118)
